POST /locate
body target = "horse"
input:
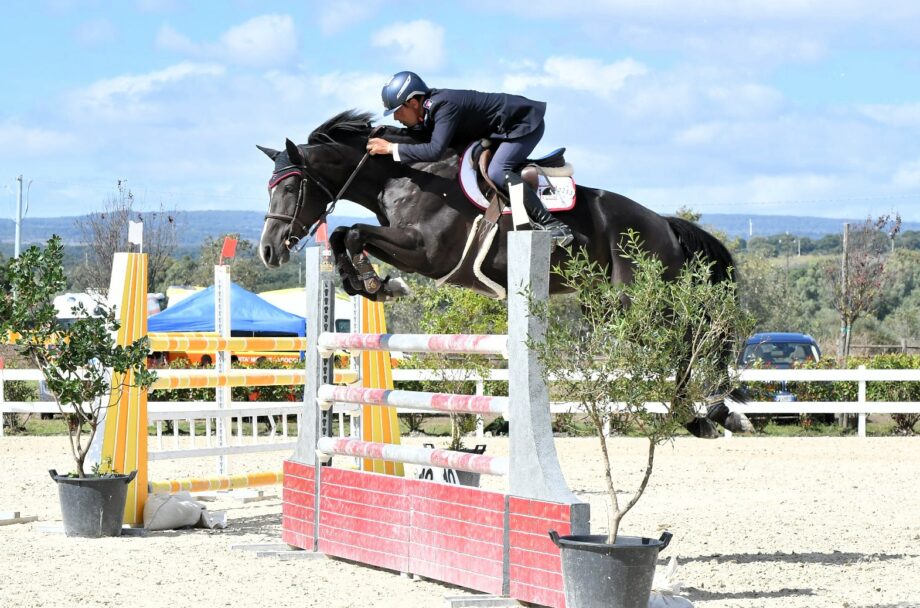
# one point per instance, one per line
(425, 219)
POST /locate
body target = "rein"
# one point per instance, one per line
(305, 176)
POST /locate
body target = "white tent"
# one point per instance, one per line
(294, 300)
(64, 304)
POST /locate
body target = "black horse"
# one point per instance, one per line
(425, 219)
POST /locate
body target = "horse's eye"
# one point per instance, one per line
(289, 188)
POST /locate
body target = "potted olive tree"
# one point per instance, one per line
(78, 363)
(639, 359)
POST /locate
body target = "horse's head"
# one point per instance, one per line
(297, 199)
(301, 187)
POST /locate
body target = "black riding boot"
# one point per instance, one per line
(539, 216)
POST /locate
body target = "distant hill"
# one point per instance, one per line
(195, 226)
(192, 227)
(737, 225)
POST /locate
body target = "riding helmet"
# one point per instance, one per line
(401, 88)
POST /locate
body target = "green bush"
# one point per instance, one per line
(18, 390)
(849, 391)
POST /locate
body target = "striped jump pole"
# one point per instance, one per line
(460, 344)
(445, 459)
(412, 400)
(216, 482)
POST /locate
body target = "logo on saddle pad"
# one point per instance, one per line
(556, 192)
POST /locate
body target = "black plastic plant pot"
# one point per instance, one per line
(467, 478)
(597, 574)
(93, 507)
(463, 478)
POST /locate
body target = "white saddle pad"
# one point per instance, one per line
(563, 199)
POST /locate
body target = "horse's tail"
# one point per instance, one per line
(694, 240)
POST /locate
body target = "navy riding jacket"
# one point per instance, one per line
(456, 113)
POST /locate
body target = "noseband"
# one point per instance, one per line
(293, 220)
(304, 172)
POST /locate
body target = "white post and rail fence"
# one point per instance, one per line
(277, 438)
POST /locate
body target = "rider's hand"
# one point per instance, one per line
(375, 145)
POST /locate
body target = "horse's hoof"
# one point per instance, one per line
(702, 428)
(738, 423)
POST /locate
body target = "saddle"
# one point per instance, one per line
(550, 165)
(550, 177)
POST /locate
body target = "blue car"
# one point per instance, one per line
(779, 350)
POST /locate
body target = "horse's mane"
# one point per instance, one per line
(349, 122)
(354, 123)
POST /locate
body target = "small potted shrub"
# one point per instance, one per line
(654, 340)
(78, 362)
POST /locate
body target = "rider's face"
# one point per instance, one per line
(408, 113)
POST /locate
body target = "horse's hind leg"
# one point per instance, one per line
(735, 422)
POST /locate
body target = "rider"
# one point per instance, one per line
(514, 121)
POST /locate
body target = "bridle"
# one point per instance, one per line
(303, 171)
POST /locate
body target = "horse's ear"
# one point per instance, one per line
(272, 154)
(293, 152)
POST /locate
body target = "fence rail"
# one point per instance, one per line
(160, 412)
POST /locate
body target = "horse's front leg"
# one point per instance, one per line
(343, 264)
(388, 244)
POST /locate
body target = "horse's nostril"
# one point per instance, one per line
(267, 253)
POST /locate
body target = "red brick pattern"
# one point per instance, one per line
(535, 566)
(297, 505)
(453, 534)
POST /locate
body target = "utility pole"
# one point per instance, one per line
(845, 295)
(18, 240)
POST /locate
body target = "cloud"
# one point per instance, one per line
(334, 91)
(168, 39)
(355, 89)
(907, 175)
(112, 93)
(416, 44)
(711, 12)
(156, 6)
(262, 41)
(18, 141)
(905, 116)
(578, 74)
(726, 31)
(340, 16)
(95, 32)
(757, 194)
(265, 40)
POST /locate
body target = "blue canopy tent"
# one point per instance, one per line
(250, 315)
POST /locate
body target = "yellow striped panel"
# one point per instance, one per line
(378, 423)
(125, 440)
(202, 342)
(208, 378)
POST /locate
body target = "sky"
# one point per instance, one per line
(785, 107)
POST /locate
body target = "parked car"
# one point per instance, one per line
(781, 350)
